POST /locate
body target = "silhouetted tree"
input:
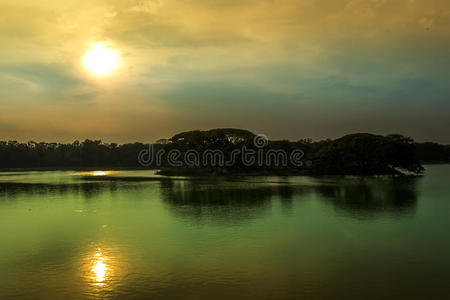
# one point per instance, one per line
(367, 154)
(356, 154)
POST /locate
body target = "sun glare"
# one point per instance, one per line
(99, 269)
(101, 60)
(99, 173)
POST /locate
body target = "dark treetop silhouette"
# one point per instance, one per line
(354, 154)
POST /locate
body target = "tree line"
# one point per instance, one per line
(355, 154)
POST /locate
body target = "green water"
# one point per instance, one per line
(71, 235)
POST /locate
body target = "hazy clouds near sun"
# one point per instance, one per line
(288, 69)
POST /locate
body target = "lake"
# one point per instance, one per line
(69, 234)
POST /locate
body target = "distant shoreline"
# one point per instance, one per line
(228, 151)
(195, 172)
(76, 169)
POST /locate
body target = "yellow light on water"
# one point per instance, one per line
(99, 173)
(99, 269)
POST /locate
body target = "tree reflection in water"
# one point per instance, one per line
(234, 201)
(355, 197)
(217, 202)
(365, 197)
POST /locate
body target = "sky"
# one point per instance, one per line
(284, 68)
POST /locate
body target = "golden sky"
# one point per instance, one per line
(285, 68)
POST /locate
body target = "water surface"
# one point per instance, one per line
(76, 235)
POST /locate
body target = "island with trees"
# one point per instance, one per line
(360, 154)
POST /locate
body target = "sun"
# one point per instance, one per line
(101, 60)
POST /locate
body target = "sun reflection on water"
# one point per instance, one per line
(99, 173)
(100, 270)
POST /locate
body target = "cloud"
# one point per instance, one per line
(331, 64)
(47, 76)
(43, 79)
